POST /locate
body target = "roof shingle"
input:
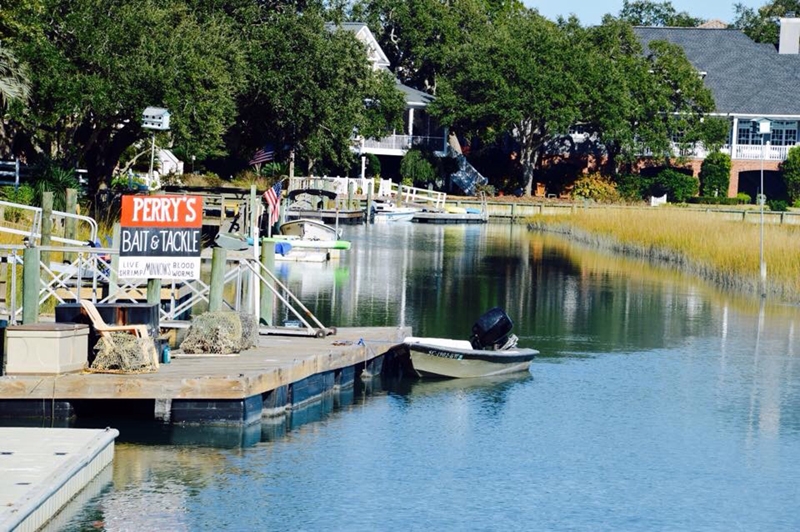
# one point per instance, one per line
(746, 78)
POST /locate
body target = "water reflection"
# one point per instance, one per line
(488, 393)
(658, 403)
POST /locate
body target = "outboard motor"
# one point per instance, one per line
(491, 331)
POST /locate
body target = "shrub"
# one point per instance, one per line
(23, 195)
(777, 205)
(632, 187)
(791, 173)
(51, 176)
(596, 187)
(373, 165)
(715, 174)
(743, 198)
(417, 167)
(678, 186)
(713, 200)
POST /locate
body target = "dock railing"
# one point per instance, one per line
(93, 276)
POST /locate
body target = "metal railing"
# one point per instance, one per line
(35, 231)
(93, 275)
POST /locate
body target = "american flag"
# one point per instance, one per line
(273, 198)
(267, 153)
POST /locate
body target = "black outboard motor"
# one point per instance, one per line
(491, 331)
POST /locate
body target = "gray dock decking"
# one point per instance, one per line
(43, 469)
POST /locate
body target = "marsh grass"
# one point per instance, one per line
(724, 251)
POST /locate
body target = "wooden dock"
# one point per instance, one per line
(430, 217)
(280, 373)
(329, 216)
(43, 469)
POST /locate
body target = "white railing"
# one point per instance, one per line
(756, 152)
(404, 142)
(35, 231)
(386, 189)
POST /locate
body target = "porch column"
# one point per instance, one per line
(734, 135)
(410, 126)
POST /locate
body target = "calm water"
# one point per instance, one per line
(658, 404)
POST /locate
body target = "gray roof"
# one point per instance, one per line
(415, 97)
(745, 77)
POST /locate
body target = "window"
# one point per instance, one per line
(745, 134)
(784, 133)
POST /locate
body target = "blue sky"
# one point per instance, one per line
(592, 11)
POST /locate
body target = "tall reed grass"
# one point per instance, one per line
(724, 251)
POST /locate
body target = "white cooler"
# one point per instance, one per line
(46, 348)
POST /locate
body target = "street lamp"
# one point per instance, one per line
(763, 130)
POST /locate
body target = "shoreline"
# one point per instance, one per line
(662, 256)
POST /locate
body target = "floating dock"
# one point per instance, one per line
(329, 216)
(239, 389)
(430, 217)
(43, 469)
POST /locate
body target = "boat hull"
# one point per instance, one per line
(391, 213)
(431, 360)
(309, 230)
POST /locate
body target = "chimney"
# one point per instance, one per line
(790, 36)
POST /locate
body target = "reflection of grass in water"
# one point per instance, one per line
(724, 251)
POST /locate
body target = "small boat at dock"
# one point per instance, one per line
(307, 229)
(492, 350)
(389, 212)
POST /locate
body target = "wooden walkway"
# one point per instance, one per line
(299, 367)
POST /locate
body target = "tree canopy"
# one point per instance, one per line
(763, 25)
(233, 74)
(649, 13)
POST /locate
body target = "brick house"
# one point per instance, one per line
(749, 81)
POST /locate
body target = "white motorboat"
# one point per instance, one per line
(389, 212)
(491, 350)
(440, 357)
(307, 229)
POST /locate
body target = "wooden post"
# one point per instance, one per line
(250, 283)
(113, 286)
(513, 208)
(218, 259)
(47, 224)
(351, 190)
(154, 291)
(31, 276)
(70, 224)
(266, 304)
(370, 192)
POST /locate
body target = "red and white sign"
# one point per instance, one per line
(160, 237)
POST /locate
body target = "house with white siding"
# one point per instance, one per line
(419, 128)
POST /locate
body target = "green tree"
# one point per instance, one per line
(13, 79)
(715, 174)
(791, 174)
(764, 24)
(417, 167)
(92, 76)
(648, 13)
(517, 75)
(678, 186)
(417, 34)
(638, 101)
(312, 88)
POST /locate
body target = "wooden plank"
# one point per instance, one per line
(277, 361)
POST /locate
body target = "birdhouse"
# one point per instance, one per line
(155, 118)
(763, 125)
